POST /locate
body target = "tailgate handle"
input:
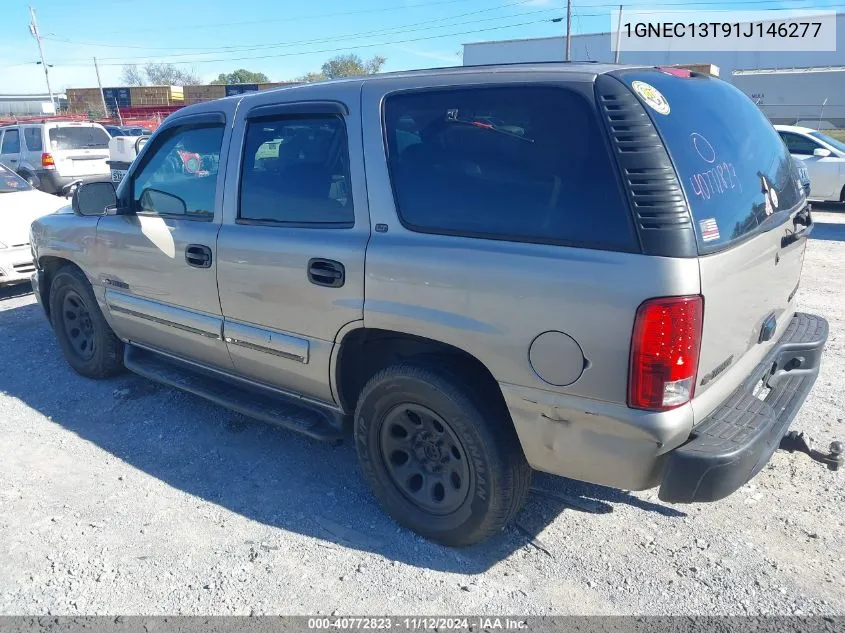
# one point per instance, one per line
(802, 218)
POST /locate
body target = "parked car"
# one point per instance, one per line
(51, 155)
(20, 204)
(136, 131)
(114, 130)
(607, 295)
(824, 157)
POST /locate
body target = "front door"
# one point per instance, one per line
(291, 249)
(158, 257)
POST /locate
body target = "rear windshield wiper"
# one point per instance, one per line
(482, 125)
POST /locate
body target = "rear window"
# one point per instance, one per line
(82, 137)
(733, 166)
(518, 163)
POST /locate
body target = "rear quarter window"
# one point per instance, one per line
(733, 166)
(519, 163)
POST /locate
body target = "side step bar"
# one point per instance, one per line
(321, 423)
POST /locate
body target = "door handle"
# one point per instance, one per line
(326, 272)
(198, 256)
(803, 218)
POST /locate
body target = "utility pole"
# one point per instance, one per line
(100, 84)
(568, 29)
(33, 28)
(618, 35)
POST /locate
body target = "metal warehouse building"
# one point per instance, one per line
(788, 86)
(597, 47)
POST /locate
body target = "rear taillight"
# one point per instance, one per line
(47, 160)
(664, 352)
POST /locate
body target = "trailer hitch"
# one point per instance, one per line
(793, 441)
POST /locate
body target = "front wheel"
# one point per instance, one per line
(88, 343)
(442, 459)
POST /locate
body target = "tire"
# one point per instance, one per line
(448, 424)
(30, 179)
(88, 343)
(842, 195)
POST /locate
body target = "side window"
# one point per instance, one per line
(797, 144)
(32, 138)
(516, 163)
(296, 172)
(179, 176)
(11, 142)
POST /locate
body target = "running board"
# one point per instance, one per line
(321, 423)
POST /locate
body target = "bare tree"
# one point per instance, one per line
(170, 75)
(131, 75)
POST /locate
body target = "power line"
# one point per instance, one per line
(323, 40)
(294, 18)
(257, 46)
(392, 31)
(343, 49)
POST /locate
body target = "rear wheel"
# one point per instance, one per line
(442, 460)
(842, 195)
(88, 343)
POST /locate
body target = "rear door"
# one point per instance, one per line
(79, 149)
(10, 147)
(291, 249)
(744, 194)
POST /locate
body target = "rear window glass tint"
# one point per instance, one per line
(515, 163)
(82, 137)
(726, 154)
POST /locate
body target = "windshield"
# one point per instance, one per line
(82, 137)
(829, 140)
(734, 168)
(11, 182)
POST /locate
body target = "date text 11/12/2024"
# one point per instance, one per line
(418, 623)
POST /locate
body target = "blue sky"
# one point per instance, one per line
(283, 39)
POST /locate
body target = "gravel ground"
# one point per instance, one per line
(126, 497)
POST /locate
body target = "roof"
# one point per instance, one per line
(517, 67)
(794, 128)
(774, 71)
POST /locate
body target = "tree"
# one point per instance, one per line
(346, 66)
(241, 76)
(352, 66)
(131, 75)
(158, 75)
(169, 75)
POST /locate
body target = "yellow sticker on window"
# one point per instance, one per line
(653, 98)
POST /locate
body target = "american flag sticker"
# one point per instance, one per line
(709, 230)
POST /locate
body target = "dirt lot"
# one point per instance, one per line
(125, 497)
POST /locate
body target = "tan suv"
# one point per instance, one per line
(586, 270)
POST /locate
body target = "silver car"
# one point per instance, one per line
(585, 270)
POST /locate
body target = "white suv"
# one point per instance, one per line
(51, 155)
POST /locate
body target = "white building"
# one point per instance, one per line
(793, 86)
(597, 47)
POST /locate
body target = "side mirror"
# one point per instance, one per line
(821, 152)
(94, 198)
(162, 202)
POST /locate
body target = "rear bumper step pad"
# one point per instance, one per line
(736, 440)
